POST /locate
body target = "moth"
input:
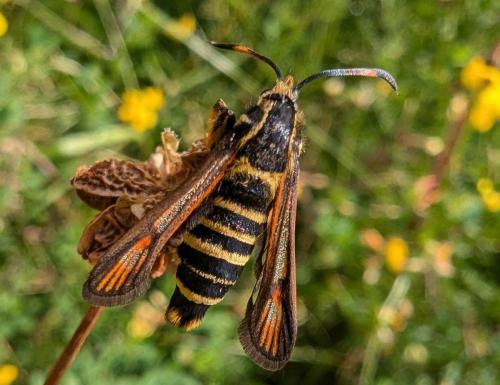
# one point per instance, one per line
(242, 192)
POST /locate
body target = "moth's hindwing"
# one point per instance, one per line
(269, 329)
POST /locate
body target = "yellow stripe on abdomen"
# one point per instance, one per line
(215, 250)
(243, 166)
(229, 232)
(253, 215)
(195, 297)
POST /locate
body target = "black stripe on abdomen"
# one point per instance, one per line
(246, 190)
(198, 284)
(207, 264)
(227, 243)
(235, 221)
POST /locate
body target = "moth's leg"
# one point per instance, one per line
(167, 260)
(220, 119)
(161, 264)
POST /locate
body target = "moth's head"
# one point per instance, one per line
(285, 85)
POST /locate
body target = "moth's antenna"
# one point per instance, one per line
(365, 72)
(248, 51)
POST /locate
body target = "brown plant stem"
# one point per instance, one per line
(443, 159)
(429, 193)
(74, 345)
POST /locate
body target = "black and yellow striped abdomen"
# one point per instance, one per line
(214, 252)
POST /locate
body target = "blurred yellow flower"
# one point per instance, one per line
(187, 23)
(396, 254)
(485, 79)
(145, 321)
(140, 108)
(183, 27)
(491, 197)
(475, 73)
(484, 185)
(492, 201)
(4, 24)
(153, 98)
(8, 374)
(140, 329)
(490, 97)
(480, 120)
(486, 110)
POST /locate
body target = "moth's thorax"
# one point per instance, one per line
(277, 103)
(268, 147)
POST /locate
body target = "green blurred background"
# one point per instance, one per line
(397, 243)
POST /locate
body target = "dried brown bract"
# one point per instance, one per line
(125, 190)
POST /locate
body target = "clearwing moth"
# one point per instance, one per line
(243, 192)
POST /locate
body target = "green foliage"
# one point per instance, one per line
(63, 67)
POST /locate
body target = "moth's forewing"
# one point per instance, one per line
(124, 272)
(269, 329)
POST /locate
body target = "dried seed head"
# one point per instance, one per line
(125, 191)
